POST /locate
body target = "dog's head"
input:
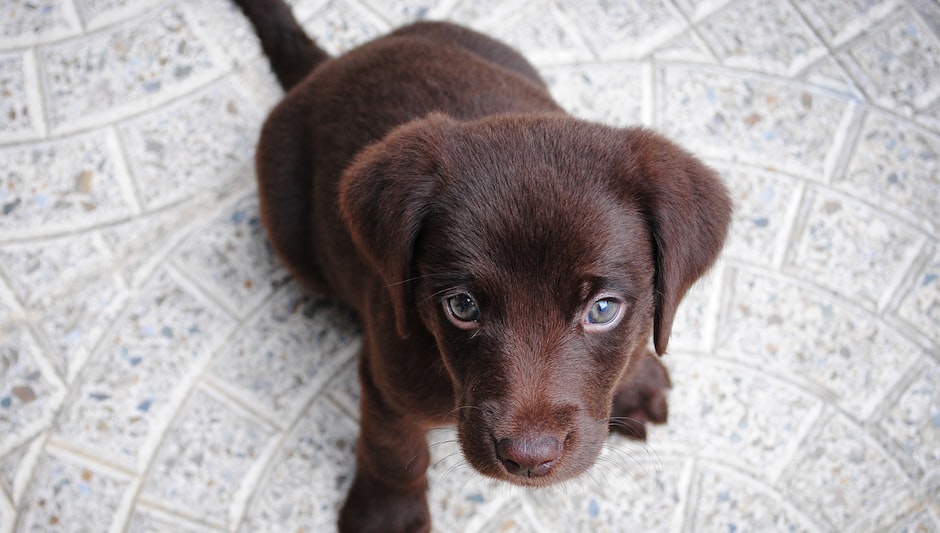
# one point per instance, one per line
(541, 253)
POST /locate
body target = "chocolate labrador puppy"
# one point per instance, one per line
(509, 263)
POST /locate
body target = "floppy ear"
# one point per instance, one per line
(688, 210)
(384, 197)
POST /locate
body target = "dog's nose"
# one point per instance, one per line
(529, 456)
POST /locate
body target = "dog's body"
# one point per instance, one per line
(508, 262)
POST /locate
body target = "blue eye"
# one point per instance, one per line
(603, 311)
(462, 308)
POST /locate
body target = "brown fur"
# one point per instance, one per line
(432, 163)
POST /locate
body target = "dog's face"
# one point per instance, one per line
(533, 250)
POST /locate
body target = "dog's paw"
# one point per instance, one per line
(374, 507)
(641, 398)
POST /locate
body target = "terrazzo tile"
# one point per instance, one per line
(7, 514)
(20, 113)
(838, 21)
(458, 496)
(844, 478)
(730, 501)
(401, 12)
(30, 392)
(693, 326)
(829, 74)
(285, 354)
(107, 74)
(738, 34)
(921, 306)
(340, 26)
(232, 257)
(191, 145)
(913, 421)
(726, 412)
(98, 13)
(229, 29)
(763, 201)
(922, 522)
(63, 185)
(512, 518)
(896, 164)
(698, 9)
(736, 117)
(160, 521)
(633, 495)
(74, 497)
(74, 322)
(307, 480)
(687, 47)
(17, 465)
(851, 248)
(26, 22)
(624, 30)
(838, 351)
(207, 456)
(899, 63)
(126, 393)
(39, 267)
(611, 93)
(537, 29)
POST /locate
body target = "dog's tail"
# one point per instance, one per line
(291, 52)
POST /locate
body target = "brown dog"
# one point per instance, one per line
(507, 261)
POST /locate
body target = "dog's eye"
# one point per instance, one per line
(462, 309)
(603, 312)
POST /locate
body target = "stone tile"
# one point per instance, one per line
(844, 478)
(26, 22)
(728, 413)
(159, 521)
(112, 73)
(851, 248)
(624, 30)
(738, 34)
(921, 306)
(834, 349)
(829, 74)
(401, 12)
(232, 257)
(628, 473)
(30, 392)
(897, 165)
(694, 324)
(538, 30)
(340, 26)
(16, 467)
(730, 501)
(763, 204)
(738, 117)
(209, 452)
(229, 30)
(39, 267)
(63, 185)
(511, 518)
(838, 21)
(98, 13)
(913, 421)
(7, 513)
(192, 145)
(922, 522)
(307, 480)
(284, 355)
(898, 65)
(123, 399)
(73, 322)
(72, 497)
(699, 9)
(20, 110)
(611, 93)
(687, 47)
(458, 496)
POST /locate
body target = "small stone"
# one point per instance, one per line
(25, 394)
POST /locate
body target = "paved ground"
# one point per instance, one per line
(159, 372)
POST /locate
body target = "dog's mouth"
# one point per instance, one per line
(529, 457)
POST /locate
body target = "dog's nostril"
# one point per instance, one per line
(527, 456)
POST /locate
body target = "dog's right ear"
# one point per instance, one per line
(384, 196)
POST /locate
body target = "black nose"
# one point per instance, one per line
(529, 456)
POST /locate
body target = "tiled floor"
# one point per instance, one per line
(159, 372)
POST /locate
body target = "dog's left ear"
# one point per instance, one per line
(688, 210)
(384, 196)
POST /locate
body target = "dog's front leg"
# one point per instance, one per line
(641, 396)
(389, 490)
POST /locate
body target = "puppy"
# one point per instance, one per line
(508, 262)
